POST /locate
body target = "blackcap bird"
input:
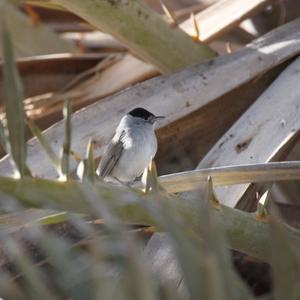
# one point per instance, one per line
(131, 149)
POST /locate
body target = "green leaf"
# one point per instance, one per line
(244, 232)
(34, 279)
(14, 108)
(211, 196)
(58, 218)
(285, 262)
(219, 268)
(3, 138)
(202, 252)
(66, 150)
(45, 144)
(90, 163)
(86, 167)
(262, 205)
(72, 270)
(135, 280)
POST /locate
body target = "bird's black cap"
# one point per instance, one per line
(140, 112)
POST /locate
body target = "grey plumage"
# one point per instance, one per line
(111, 157)
(132, 147)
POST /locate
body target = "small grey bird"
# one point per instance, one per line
(132, 147)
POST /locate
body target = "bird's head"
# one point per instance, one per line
(144, 114)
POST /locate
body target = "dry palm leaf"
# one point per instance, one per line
(90, 86)
(31, 40)
(223, 16)
(261, 133)
(198, 86)
(49, 73)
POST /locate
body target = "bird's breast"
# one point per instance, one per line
(140, 146)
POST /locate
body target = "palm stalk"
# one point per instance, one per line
(30, 40)
(229, 175)
(143, 31)
(245, 232)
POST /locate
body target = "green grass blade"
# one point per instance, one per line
(90, 163)
(74, 272)
(14, 108)
(285, 262)
(34, 279)
(45, 144)
(135, 280)
(202, 252)
(66, 150)
(3, 138)
(241, 228)
(58, 218)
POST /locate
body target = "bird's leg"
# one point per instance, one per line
(127, 184)
(119, 181)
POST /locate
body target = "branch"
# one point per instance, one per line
(143, 30)
(244, 231)
(266, 172)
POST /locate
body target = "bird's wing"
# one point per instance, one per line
(111, 157)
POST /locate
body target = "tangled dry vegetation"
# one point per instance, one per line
(222, 220)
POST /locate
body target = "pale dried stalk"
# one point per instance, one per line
(223, 16)
(266, 172)
(143, 30)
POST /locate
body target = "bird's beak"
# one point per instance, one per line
(153, 119)
(156, 118)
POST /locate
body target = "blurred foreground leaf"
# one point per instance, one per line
(86, 167)
(14, 109)
(45, 144)
(149, 179)
(244, 231)
(66, 150)
(3, 138)
(201, 248)
(35, 281)
(285, 262)
(91, 171)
